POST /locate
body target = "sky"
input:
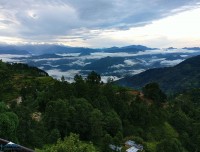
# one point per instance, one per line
(101, 23)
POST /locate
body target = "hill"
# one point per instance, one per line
(51, 49)
(103, 64)
(37, 110)
(183, 76)
(115, 62)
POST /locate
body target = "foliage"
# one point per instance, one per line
(152, 91)
(38, 110)
(8, 123)
(172, 145)
(151, 146)
(70, 144)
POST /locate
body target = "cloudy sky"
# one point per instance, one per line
(101, 23)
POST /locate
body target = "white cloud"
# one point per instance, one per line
(157, 60)
(171, 62)
(178, 30)
(12, 58)
(117, 66)
(130, 62)
(105, 78)
(183, 56)
(134, 72)
(48, 64)
(69, 54)
(127, 63)
(99, 23)
(47, 59)
(69, 75)
(165, 51)
(79, 62)
(128, 72)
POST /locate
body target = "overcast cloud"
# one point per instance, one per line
(76, 21)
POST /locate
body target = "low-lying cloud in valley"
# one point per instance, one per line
(116, 64)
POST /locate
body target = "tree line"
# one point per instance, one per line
(93, 114)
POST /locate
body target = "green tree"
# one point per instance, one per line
(112, 123)
(139, 113)
(153, 91)
(93, 78)
(53, 136)
(8, 123)
(107, 140)
(56, 116)
(169, 145)
(118, 139)
(96, 123)
(180, 121)
(70, 144)
(80, 112)
(81, 87)
(62, 78)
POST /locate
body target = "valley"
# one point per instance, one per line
(114, 63)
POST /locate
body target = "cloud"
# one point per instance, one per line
(12, 58)
(106, 78)
(74, 21)
(129, 62)
(171, 62)
(128, 72)
(164, 51)
(184, 56)
(117, 66)
(156, 60)
(69, 54)
(79, 62)
(69, 75)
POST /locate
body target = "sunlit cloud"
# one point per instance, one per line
(100, 23)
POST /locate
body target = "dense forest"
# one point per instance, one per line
(47, 115)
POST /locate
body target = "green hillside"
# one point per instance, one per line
(42, 113)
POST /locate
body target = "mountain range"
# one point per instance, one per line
(114, 62)
(51, 49)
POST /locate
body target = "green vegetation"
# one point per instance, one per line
(70, 144)
(40, 112)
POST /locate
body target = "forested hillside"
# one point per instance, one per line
(42, 113)
(184, 76)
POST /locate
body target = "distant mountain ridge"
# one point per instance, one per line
(116, 62)
(183, 76)
(51, 49)
(12, 50)
(40, 49)
(130, 48)
(192, 48)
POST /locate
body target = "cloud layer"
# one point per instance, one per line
(75, 21)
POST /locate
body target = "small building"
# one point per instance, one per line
(132, 149)
(129, 143)
(132, 146)
(115, 148)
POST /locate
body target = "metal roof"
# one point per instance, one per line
(21, 148)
